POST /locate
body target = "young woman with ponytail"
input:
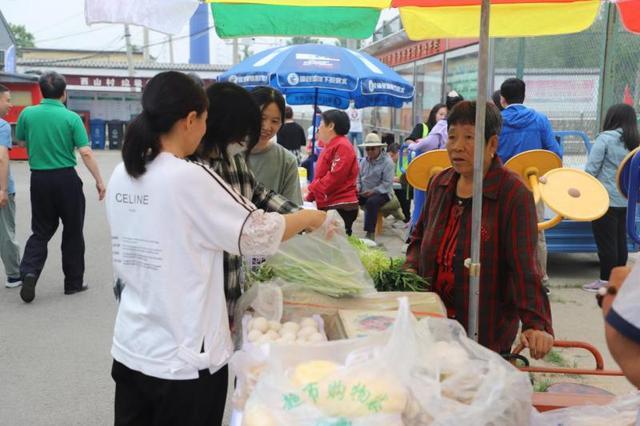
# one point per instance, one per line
(171, 220)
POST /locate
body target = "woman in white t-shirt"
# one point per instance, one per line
(171, 221)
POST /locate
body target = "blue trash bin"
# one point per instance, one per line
(98, 133)
(115, 134)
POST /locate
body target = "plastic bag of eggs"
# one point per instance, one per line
(260, 330)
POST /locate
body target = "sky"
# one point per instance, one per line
(61, 24)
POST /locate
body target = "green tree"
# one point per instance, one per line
(23, 37)
(302, 40)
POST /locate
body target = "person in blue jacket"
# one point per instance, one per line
(524, 129)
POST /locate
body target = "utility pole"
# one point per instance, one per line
(521, 58)
(127, 39)
(236, 52)
(145, 42)
(171, 49)
(606, 65)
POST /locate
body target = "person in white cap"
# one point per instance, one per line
(375, 181)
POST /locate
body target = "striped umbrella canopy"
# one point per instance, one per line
(422, 19)
(630, 13)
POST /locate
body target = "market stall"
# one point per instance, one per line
(405, 371)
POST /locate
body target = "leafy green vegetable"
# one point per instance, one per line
(387, 273)
(317, 275)
(261, 274)
(325, 278)
(373, 259)
(397, 279)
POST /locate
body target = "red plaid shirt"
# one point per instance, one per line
(510, 280)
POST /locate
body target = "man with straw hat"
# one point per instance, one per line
(375, 181)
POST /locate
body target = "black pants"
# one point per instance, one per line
(372, 206)
(144, 400)
(56, 195)
(348, 216)
(610, 233)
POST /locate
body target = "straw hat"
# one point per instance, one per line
(372, 140)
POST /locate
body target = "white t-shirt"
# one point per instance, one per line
(169, 229)
(355, 118)
(624, 315)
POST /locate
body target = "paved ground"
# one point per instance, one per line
(54, 353)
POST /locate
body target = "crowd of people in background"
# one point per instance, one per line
(523, 129)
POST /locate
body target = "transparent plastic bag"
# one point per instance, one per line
(338, 383)
(322, 261)
(248, 363)
(477, 385)
(622, 411)
(454, 380)
(251, 361)
(265, 299)
(431, 374)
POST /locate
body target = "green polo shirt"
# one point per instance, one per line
(52, 133)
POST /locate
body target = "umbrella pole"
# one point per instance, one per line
(478, 173)
(313, 136)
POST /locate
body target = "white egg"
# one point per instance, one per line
(250, 324)
(261, 324)
(288, 337)
(316, 337)
(301, 339)
(291, 326)
(308, 322)
(263, 339)
(306, 332)
(254, 335)
(272, 335)
(274, 325)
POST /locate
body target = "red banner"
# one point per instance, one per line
(419, 50)
(95, 81)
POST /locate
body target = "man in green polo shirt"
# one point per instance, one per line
(52, 133)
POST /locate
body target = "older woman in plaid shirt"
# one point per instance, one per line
(510, 280)
(233, 129)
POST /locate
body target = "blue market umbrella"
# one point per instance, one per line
(319, 74)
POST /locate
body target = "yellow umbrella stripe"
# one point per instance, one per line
(374, 4)
(507, 20)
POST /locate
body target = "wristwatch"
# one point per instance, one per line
(603, 291)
